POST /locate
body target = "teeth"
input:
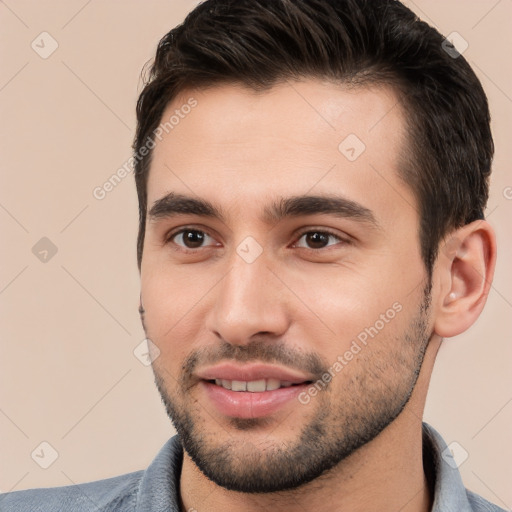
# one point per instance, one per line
(273, 384)
(254, 386)
(238, 385)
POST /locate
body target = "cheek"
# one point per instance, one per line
(169, 292)
(170, 301)
(341, 301)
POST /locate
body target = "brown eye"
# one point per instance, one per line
(318, 239)
(189, 238)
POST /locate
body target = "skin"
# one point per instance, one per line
(241, 150)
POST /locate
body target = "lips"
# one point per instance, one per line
(252, 390)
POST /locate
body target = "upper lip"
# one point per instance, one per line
(250, 372)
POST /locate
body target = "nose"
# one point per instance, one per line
(248, 301)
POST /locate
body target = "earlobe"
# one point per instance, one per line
(465, 269)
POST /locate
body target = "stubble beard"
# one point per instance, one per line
(374, 392)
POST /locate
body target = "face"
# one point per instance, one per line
(282, 278)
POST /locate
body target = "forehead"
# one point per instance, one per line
(236, 144)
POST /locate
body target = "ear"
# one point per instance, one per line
(465, 269)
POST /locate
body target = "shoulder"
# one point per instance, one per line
(479, 504)
(112, 494)
(154, 488)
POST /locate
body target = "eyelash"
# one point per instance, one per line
(170, 236)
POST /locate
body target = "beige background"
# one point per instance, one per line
(69, 326)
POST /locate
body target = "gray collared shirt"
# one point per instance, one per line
(156, 488)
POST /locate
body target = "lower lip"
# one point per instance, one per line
(246, 404)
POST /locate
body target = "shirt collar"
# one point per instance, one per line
(159, 488)
(449, 490)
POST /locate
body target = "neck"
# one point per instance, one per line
(386, 474)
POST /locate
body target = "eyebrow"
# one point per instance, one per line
(174, 204)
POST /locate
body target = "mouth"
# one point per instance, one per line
(255, 386)
(251, 390)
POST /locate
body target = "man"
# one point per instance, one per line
(312, 176)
